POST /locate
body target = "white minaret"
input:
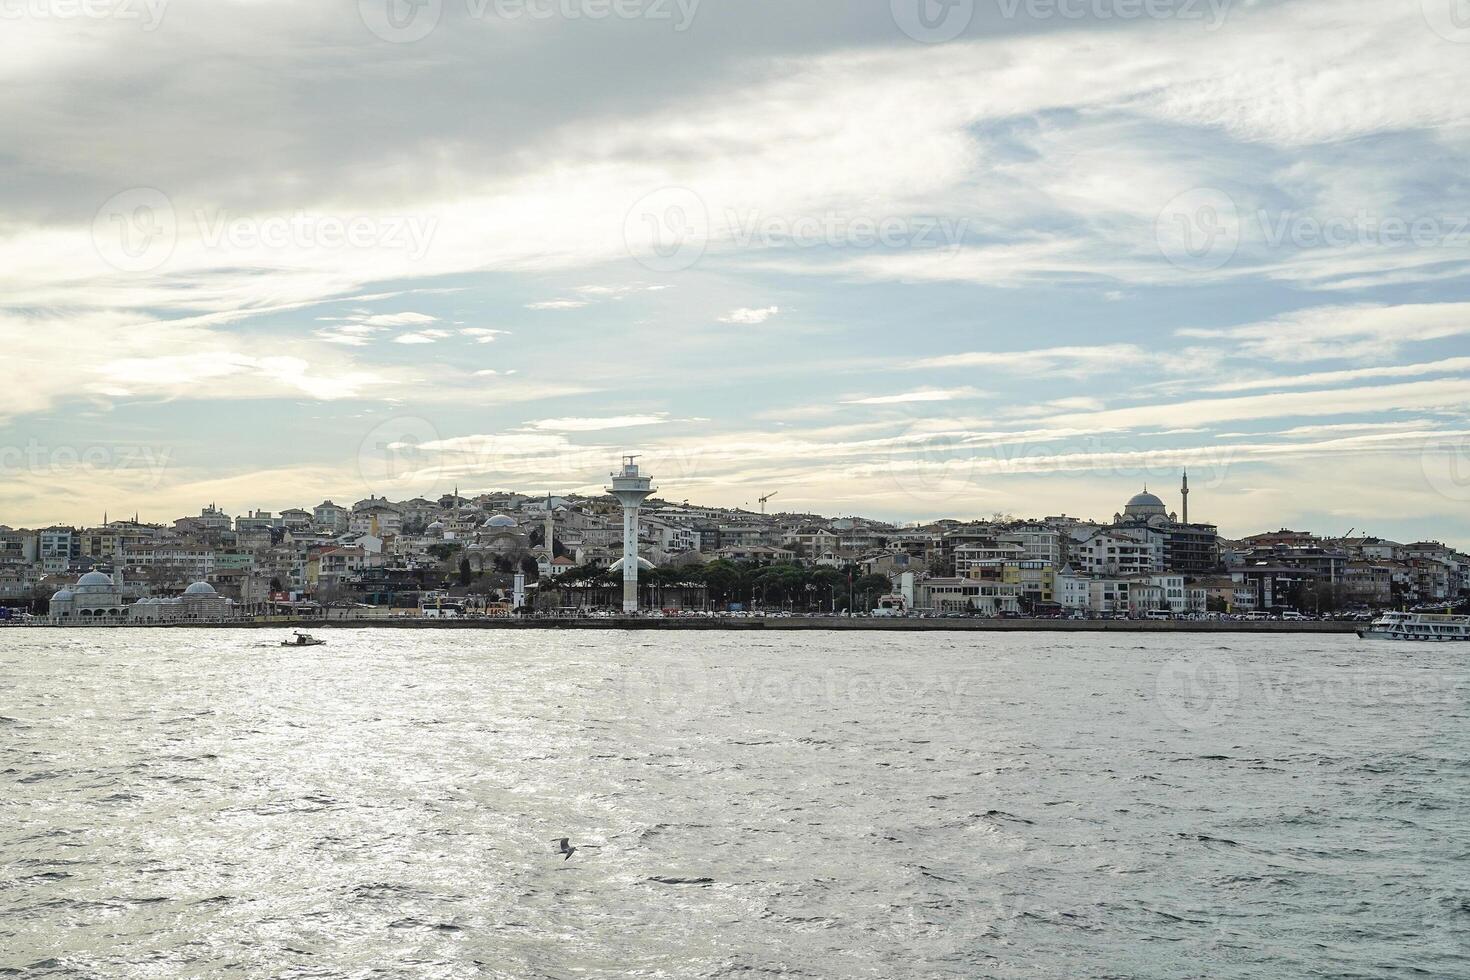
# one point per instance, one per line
(631, 488)
(1184, 492)
(550, 531)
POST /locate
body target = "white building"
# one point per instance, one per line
(966, 595)
(96, 600)
(1117, 553)
(200, 603)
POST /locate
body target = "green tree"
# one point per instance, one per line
(869, 587)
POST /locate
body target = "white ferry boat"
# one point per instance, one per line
(1418, 626)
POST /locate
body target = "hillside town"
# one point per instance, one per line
(503, 554)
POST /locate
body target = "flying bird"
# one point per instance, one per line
(564, 846)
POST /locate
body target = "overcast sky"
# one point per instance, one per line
(887, 259)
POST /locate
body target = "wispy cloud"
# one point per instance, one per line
(920, 396)
(750, 317)
(596, 424)
(1342, 332)
(1064, 361)
(559, 304)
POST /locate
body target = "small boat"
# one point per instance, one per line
(303, 640)
(1422, 627)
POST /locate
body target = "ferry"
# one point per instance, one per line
(1420, 626)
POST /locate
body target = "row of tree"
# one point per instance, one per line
(769, 586)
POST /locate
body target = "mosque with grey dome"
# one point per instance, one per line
(97, 600)
(1190, 548)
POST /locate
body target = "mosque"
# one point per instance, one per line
(1190, 548)
(96, 600)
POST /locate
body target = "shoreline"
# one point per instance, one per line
(828, 624)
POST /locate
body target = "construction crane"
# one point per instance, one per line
(767, 498)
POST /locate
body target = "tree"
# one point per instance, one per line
(465, 575)
(532, 570)
(869, 587)
(443, 549)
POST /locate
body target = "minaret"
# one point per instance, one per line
(630, 488)
(550, 531)
(1184, 492)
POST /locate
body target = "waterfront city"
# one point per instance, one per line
(505, 554)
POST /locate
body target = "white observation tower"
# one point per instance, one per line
(631, 488)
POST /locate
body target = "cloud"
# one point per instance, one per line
(1058, 361)
(1358, 332)
(596, 424)
(1450, 365)
(750, 317)
(559, 304)
(421, 337)
(1443, 395)
(922, 395)
(483, 335)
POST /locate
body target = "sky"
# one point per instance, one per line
(904, 259)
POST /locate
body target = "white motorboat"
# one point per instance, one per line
(303, 640)
(1424, 627)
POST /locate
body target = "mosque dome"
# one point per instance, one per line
(201, 589)
(1145, 505)
(95, 582)
(65, 595)
(501, 520)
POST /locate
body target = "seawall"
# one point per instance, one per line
(825, 623)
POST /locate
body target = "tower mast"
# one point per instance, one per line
(631, 488)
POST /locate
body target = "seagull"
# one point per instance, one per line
(564, 846)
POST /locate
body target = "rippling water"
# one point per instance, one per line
(206, 804)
